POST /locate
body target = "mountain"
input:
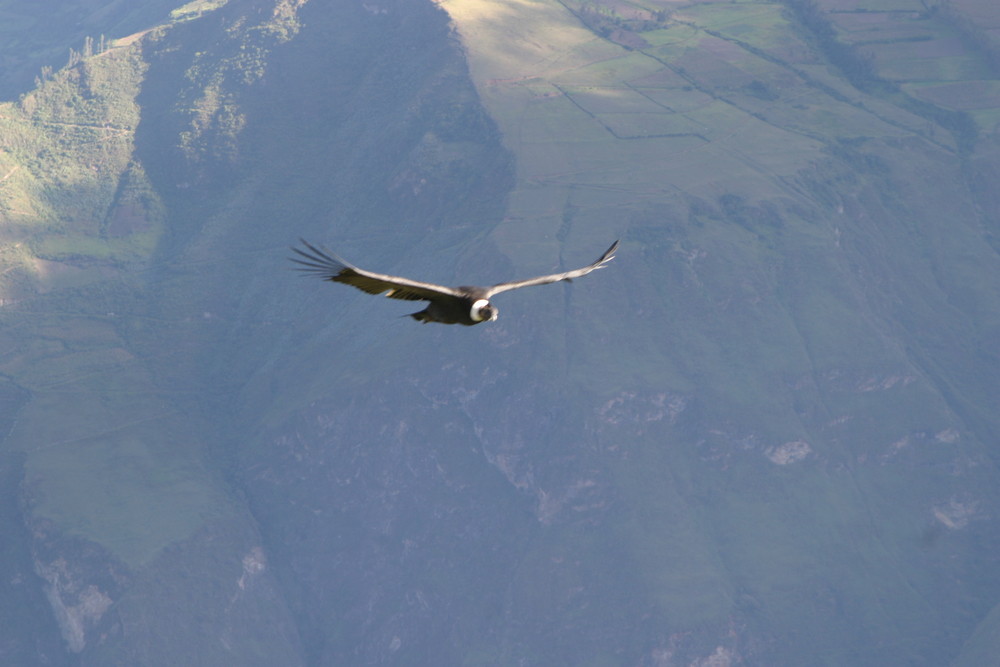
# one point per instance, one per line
(764, 435)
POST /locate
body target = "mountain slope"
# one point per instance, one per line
(803, 237)
(37, 38)
(764, 435)
(118, 489)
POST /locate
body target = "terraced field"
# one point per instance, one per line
(764, 435)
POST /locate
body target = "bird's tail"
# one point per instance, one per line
(422, 316)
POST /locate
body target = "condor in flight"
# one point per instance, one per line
(447, 305)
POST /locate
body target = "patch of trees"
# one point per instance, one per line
(605, 22)
(89, 49)
(973, 35)
(859, 69)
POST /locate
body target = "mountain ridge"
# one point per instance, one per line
(768, 422)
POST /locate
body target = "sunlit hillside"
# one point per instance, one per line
(765, 434)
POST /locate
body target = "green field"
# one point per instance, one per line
(762, 435)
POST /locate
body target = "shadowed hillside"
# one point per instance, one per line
(764, 435)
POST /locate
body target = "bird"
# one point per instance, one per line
(446, 305)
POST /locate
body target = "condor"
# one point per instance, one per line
(447, 305)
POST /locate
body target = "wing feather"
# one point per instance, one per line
(328, 266)
(608, 255)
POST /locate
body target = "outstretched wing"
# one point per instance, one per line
(330, 267)
(555, 277)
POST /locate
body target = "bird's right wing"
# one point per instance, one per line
(608, 255)
(325, 264)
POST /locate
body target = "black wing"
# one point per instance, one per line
(330, 267)
(608, 255)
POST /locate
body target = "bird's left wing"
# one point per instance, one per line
(330, 267)
(608, 255)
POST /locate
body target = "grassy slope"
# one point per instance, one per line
(710, 147)
(37, 35)
(120, 489)
(112, 326)
(760, 191)
(81, 222)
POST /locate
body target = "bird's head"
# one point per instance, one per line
(482, 310)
